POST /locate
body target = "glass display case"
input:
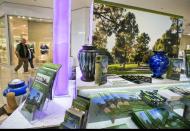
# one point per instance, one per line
(29, 28)
(101, 118)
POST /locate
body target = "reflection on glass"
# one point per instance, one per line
(18, 30)
(36, 32)
(3, 43)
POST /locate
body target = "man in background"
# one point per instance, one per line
(22, 55)
(31, 55)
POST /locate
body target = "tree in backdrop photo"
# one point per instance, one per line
(118, 32)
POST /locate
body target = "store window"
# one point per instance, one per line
(37, 32)
(3, 42)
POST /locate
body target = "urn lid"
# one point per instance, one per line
(159, 52)
(88, 47)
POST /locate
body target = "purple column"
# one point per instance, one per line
(61, 46)
(91, 22)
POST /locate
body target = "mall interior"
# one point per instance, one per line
(98, 64)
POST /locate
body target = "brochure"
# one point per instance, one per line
(174, 70)
(40, 91)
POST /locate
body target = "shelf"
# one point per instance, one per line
(127, 120)
(98, 120)
(90, 88)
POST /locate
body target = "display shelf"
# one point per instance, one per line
(108, 123)
(100, 120)
(89, 88)
(127, 120)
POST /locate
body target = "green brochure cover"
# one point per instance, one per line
(187, 62)
(73, 119)
(40, 91)
(32, 103)
(159, 118)
(81, 103)
(174, 69)
(101, 69)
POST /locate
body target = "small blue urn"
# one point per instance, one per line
(159, 64)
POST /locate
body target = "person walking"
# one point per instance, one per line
(22, 54)
(31, 55)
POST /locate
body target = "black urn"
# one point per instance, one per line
(87, 58)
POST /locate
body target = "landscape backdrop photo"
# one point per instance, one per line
(130, 36)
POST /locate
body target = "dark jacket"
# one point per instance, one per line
(22, 50)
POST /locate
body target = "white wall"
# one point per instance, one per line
(1, 10)
(80, 21)
(23, 10)
(80, 30)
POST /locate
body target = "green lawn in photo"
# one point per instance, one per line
(129, 69)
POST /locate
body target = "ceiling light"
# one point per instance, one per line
(10, 17)
(23, 17)
(81, 33)
(18, 16)
(30, 18)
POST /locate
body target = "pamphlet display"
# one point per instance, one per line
(76, 116)
(175, 68)
(101, 68)
(40, 91)
(152, 98)
(159, 118)
(117, 105)
(187, 62)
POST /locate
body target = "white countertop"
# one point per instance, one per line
(55, 110)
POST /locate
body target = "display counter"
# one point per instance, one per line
(99, 120)
(54, 111)
(118, 84)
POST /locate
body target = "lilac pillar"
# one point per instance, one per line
(91, 22)
(61, 46)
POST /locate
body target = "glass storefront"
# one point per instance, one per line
(3, 42)
(37, 32)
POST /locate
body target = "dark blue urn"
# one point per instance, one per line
(87, 58)
(159, 64)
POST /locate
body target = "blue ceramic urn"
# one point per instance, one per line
(87, 58)
(159, 64)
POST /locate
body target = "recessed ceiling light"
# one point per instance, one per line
(30, 18)
(81, 33)
(23, 17)
(10, 17)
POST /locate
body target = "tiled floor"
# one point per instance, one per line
(7, 74)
